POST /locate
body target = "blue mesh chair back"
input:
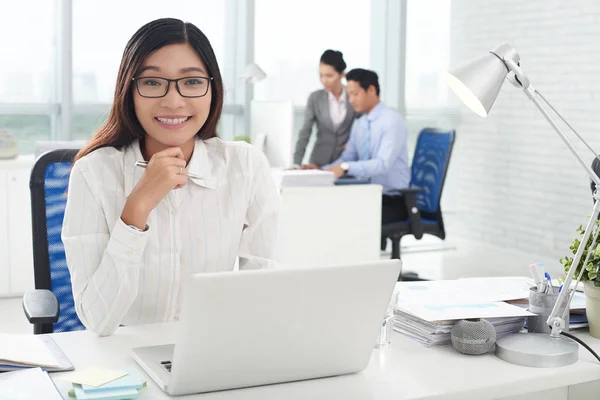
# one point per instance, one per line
(429, 165)
(49, 183)
(428, 174)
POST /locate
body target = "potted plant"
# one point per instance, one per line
(590, 279)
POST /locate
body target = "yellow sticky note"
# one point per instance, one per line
(94, 376)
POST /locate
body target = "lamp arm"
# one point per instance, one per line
(589, 253)
(554, 321)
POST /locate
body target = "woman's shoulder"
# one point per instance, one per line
(104, 157)
(234, 153)
(317, 93)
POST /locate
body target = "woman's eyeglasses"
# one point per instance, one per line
(154, 87)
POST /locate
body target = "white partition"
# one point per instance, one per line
(4, 235)
(272, 128)
(330, 225)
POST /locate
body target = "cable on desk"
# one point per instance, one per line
(581, 342)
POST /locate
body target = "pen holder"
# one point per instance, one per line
(542, 305)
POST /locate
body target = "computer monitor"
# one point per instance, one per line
(272, 129)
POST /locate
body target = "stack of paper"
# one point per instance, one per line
(26, 384)
(433, 334)
(426, 311)
(295, 178)
(467, 290)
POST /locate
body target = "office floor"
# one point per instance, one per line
(431, 259)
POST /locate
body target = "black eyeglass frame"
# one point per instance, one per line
(207, 78)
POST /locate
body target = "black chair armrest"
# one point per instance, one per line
(410, 200)
(40, 306)
(407, 191)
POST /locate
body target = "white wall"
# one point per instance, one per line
(516, 183)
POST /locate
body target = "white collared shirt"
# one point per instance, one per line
(337, 108)
(121, 276)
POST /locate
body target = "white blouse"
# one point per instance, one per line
(121, 276)
(337, 108)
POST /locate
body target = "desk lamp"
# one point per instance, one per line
(253, 73)
(477, 83)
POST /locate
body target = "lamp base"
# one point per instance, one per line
(537, 350)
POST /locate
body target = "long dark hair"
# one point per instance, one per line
(122, 126)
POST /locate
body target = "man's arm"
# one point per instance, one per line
(350, 153)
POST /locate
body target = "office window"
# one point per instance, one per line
(27, 75)
(427, 53)
(291, 36)
(101, 29)
(85, 124)
(26, 70)
(27, 129)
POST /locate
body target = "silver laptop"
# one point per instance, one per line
(249, 328)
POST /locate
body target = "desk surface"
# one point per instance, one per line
(406, 370)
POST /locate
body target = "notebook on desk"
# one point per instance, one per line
(26, 351)
(352, 180)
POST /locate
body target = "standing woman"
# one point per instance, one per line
(328, 108)
(133, 235)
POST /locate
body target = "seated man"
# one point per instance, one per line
(376, 148)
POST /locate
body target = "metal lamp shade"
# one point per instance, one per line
(478, 82)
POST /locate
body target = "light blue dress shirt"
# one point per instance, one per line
(387, 165)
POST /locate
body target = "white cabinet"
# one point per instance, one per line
(19, 226)
(16, 248)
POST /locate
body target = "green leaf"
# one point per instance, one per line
(592, 276)
(589, 267)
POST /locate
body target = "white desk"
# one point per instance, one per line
(330, 225)
(404, 371)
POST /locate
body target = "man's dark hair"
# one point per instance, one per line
(364, 78)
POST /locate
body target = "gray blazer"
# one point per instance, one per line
(330, 143)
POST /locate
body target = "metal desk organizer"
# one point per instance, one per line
(542, 304)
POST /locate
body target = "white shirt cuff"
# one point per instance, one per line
(127, 243)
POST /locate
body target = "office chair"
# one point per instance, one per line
(50, 307)
(423, 196)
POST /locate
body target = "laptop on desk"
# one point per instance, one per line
(250, 328)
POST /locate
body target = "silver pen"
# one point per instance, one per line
(144, 164)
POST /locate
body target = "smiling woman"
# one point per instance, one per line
(130, 238)
(155, 103)
(175, 50)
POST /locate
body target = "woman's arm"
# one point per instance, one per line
(104, 263)
(304, 133)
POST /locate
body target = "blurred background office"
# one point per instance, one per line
(512, 195)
